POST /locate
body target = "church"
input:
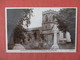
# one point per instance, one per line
(49, 35)
(52, 33)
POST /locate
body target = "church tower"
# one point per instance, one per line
(47, 25)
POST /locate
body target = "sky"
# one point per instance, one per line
(36, 19)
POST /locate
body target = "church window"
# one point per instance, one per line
(53, 17)
(46, 27)
(46, 18)
(64, 35)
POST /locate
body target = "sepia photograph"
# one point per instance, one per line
(41, 29)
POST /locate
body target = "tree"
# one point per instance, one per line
(68, 16)
(27, 15)
(18, 31)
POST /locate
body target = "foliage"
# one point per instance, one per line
(68, 16)
(18, 31)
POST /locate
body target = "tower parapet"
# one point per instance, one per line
(50, 11)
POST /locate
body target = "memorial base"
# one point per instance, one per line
(55, 47)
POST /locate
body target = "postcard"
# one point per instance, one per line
(41, 29)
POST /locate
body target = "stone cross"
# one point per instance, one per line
(55, 30)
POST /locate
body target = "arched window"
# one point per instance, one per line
(64, 35)
(53, 17)
(46, 26)
(46, 18)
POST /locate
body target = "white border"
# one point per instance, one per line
(39, 51)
